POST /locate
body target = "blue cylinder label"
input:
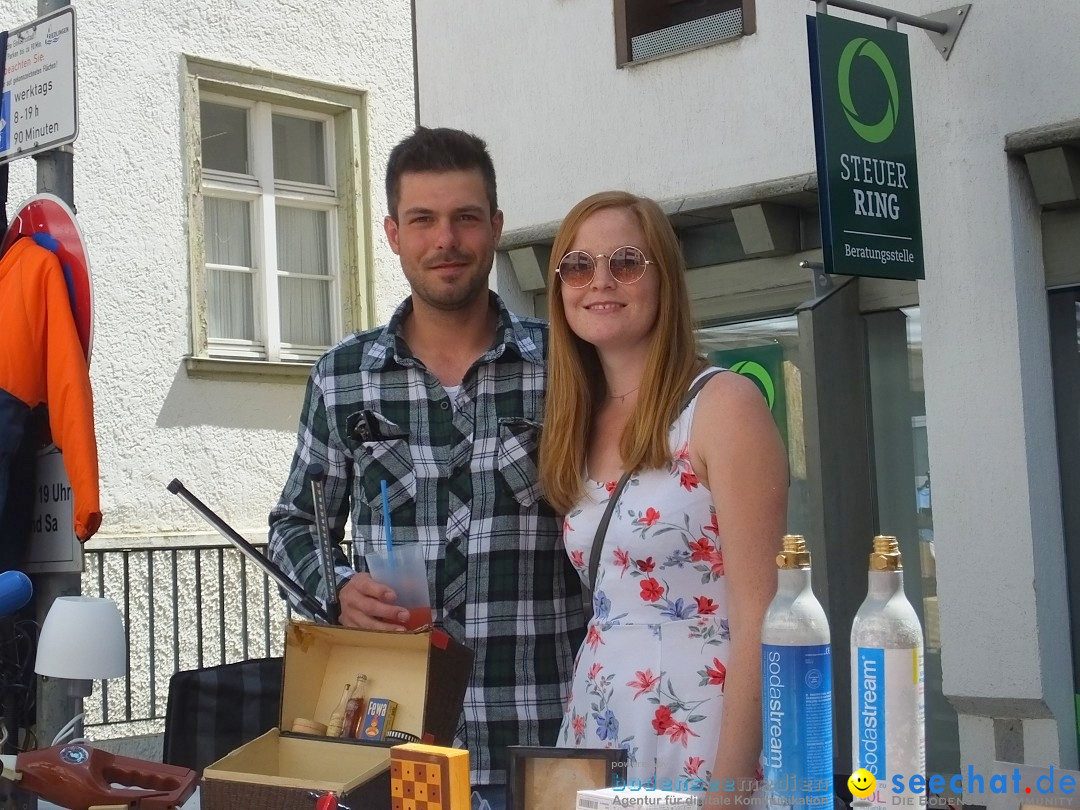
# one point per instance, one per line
(796, 698)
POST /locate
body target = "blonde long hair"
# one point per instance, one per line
(576, 385)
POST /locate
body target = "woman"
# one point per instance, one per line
(670, 668)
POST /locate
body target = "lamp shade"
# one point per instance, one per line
(82, 639)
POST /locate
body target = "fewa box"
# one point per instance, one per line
(424, 672)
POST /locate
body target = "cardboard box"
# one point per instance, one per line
(378, 718)
(424, 672)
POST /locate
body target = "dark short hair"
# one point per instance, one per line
(438, 150)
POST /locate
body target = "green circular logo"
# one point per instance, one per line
(759, 374)
(874, 133)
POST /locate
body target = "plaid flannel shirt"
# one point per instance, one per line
(462, 480)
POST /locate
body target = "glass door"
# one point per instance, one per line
(1065, 354)
(766, 351)
(904, 502)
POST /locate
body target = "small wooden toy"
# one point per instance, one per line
(428, 777)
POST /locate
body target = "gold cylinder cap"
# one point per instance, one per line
(886, 554)
(794, 554)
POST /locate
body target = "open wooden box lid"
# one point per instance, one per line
(425, 672)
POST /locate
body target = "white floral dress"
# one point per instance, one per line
(650, 676)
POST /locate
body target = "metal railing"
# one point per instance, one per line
(184, 607)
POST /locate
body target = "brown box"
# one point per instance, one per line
(425, 672)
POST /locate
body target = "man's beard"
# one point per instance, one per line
(451, 298)
(456, 296)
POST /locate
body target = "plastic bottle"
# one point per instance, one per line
(796, 688)
(354, 709)
(337, 717)
(887, 692)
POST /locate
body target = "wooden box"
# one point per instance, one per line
(425, 672)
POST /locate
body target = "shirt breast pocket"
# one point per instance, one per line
(519, 442)
(382, 453)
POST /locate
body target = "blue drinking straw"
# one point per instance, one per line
(386, 523)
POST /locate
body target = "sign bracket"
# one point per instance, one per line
(826, 284)
(821, 278)
(943, 27)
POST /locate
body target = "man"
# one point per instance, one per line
(444, 404)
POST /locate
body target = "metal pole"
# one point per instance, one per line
(55, 704)
(889, 14)
(55, 173)
(55, 168)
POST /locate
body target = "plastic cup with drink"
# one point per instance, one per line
(402, 567)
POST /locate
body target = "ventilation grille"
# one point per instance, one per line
(714, 28)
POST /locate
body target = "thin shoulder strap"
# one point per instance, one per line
(695, 389)
(601, 530)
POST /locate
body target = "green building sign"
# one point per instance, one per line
(765, 366)
(868, 174)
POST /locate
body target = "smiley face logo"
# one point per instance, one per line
(861, 783)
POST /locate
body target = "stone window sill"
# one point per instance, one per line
(213, 368)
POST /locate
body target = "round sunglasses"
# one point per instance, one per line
(626, 265)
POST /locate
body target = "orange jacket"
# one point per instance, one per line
(41, 360)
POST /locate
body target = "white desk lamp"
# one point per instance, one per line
(82, 640)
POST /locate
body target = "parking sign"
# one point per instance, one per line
(38, 108)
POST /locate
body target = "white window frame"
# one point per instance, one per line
(266, 193)
(344, 197)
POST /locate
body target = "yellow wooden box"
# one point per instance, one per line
(429, 777)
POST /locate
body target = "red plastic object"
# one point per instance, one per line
(80, 777)
(440, 639)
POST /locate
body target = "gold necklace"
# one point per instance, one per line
(622, 397)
